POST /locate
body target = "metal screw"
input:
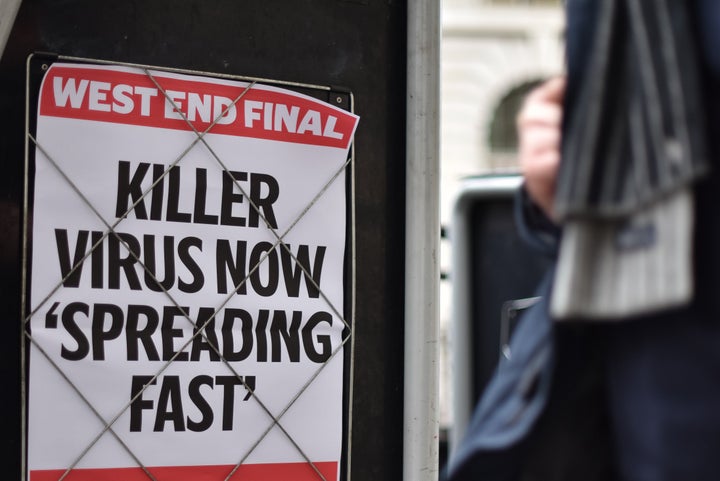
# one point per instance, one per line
(44, 66)
(338, 99)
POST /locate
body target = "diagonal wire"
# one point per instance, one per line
(165, 366)
(89, 404)
(250, 201)
(182, 310)
(201, 330)
(130, 209)
(308, 277)
(286, 247)
(279, 238)
(287, 408)
(186, 316)
(211, 344)
(111, 229)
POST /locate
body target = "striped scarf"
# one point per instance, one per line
(635, 132)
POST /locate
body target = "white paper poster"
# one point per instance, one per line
(114, 151)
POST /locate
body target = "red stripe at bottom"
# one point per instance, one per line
(254, 472)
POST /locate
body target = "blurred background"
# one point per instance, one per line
(492, 53)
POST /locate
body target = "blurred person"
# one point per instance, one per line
(621, 161)
(661, 361)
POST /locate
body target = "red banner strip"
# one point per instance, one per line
(121, 97)
(254, 472)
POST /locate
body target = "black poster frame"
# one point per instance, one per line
(37, 65)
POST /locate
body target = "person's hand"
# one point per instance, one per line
(539, 130)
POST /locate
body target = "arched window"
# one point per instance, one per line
(502, 139)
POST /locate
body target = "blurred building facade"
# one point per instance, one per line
(493, 52)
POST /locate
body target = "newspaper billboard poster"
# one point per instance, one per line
(172, 335)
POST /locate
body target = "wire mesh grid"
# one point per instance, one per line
(198, 326)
